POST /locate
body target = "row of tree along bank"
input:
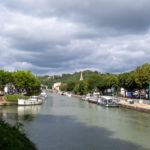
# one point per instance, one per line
(135, 83)
(14, 85)
(19, 82)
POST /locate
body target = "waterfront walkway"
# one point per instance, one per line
(136, 105)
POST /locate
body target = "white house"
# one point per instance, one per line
(56, 86)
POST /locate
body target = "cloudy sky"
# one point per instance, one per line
(63, 36)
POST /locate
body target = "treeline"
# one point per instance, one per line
(49, 80)
(65, 78)
(137, 79)
(21, 80)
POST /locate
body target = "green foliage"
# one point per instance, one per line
(127, 81)
(5, 77)
(142, 75)
(26, 80)
(81, 88)
(70, 85)
(49, 80)
(63, 87)
(21, 79)
(14, 97)
(93, 80)
(13, 139)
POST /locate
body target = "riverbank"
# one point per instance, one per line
(77, 96)
(137, 104)
(4, 102)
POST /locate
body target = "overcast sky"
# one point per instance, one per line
(63, 36)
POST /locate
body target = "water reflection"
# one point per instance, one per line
(16, 113)
(53, 132)
(28, 112)
(70, 124)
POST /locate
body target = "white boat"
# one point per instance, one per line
(67, 94)
(93, 99)
(108, 101)
(44, 94)
(86, 97)
(33, 100)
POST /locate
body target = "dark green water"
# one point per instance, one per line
(64, 123)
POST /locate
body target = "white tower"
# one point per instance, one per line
(81, 76)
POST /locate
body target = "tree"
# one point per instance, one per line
(81, 88)
(63, 87)
(93, 82)
(5, 77)
(26, 80)
(142, 75)
(127, 80)
(70, 85)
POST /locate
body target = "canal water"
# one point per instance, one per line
(66, 123)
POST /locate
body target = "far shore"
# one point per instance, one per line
(138, 104)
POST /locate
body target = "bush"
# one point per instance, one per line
(13, 139)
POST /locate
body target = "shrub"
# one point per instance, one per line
(11, 138)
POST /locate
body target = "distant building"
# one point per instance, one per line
(56, 86)
(81, 76)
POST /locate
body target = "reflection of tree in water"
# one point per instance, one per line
(19, 125)
(1, 112)
(28, 117)
(17, 122)
(27, 113)
(24, 117)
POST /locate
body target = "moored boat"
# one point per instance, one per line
(44, 94)
(108, 101)
(67, 94)
(93, 99)
(33, 100)
(86, 97)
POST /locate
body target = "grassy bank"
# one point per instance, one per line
(13, 139)
(14, 97)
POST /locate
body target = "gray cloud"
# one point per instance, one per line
(48, 36)
(129, 15)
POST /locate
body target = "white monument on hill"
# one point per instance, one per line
(81, 76)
